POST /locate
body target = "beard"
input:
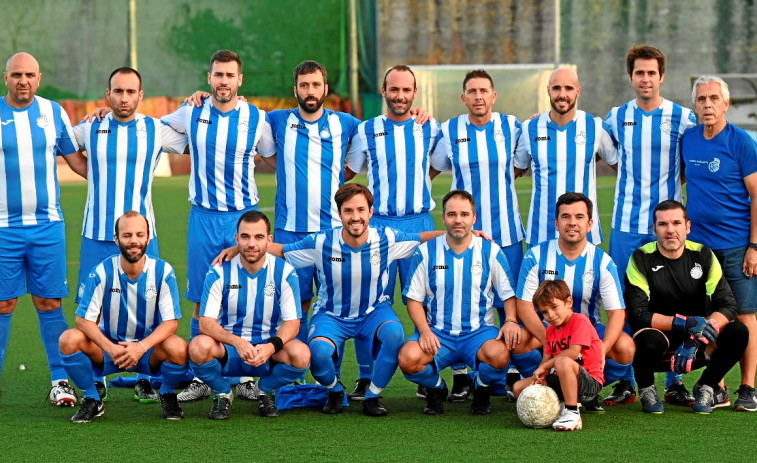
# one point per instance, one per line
(393, 107)
(133, 258)
(571, 105)
(310, 104)
(220, 99)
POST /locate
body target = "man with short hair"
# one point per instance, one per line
(224, 135)
(721, 173)
(593, 278)
(249, 317)
(456, 277)
(396, 149)
(561, 147)
(682, 311)
(33, 133)
(648, 132)
(123, 149)
(127, 321)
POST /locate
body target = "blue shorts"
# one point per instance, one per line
(411, 223)
(744, 289)
(208, 233)
(306, 275)
(95, 251)
(33, 259)
(622, 245)
(514, 256)
(143, 366)
(235, 366)
(456, 350)
(338, 330)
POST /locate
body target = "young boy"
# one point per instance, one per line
(573, 358)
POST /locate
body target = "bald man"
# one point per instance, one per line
(33, 132)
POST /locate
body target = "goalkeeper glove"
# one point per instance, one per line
(699, 327)
(683, 358)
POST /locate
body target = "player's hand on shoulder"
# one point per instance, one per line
(97, 113)
(421, 115)
(482, 234)
(196, 98)
(225, 255)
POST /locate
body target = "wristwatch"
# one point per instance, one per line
(752, 245)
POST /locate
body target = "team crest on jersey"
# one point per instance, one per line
(696, 272)
(417, 129)
(375, 257)
(141, 132)
(243, 125)
(477, 269)
(499, 136)
(150, 293)
(581, 138)
(325, 133)
(588, 276)
(666, 126)
(270, 289)
(714, 165)
(42, 121)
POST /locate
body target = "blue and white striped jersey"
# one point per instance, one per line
(252, 306)
(351, 282)
(398, 160)
(310, 163)
(649, 162)
(129, 310)
(222, 147)
(30, 140)
(121, 161)
(481, 163)
(562, 159)
(459, 288)
(592, 277)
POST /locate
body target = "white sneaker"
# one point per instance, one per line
(62, 395)
(248, 390)
(195, 391)
(568, 420)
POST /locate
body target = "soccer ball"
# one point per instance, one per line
(538, 406)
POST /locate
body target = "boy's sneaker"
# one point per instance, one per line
(373, 407)
(171, 408)
(334, 403)
(361, 387)
(569, 420)
(623, 393)
(747, 399)
(481, 404)
(593, 406)
(461, 388)
(144, 393)
(703, 395)
(90, 409)
(221, 406)
(62, 395)
(248, 390)
(421, 392)
(721, 397)
(267, 405)
(650, 400)
(102, 391)
(510, 381)
(677, 394)
(435, 400)
(196, 390)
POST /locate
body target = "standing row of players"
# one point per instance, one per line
(222, 185)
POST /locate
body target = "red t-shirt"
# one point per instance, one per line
(578, 331)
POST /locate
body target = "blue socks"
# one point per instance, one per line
(51, 325)
(5, 333)
(280, 375)
(79, 368)
(487, 374)
(428, 377)
(302, 335)
(211, 373)
(322, 365)
(391, 335)
(172, 375)
(364, 354)
(527, 362)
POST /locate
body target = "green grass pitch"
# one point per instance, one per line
(33, 430)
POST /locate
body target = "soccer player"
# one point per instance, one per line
(457, 275)
(397, 151)
(592, 277)
(33, 133)
(224, 135)
(123, 149)
(648, 131)
(573, 354)
(126, 321)
(561, 147)
(478, 147)
(721, 172)
(682, 311)
(249, 318)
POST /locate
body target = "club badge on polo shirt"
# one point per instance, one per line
(696, 272)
